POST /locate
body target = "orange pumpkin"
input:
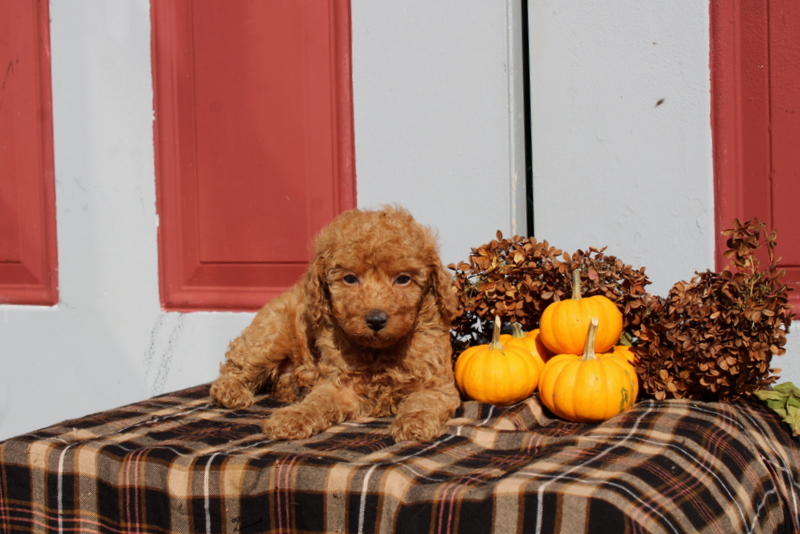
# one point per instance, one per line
(563, 324)
(530, 341)
(497, 374)
(626, 352)
(588, 388)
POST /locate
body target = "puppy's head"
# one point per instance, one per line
(377, 275)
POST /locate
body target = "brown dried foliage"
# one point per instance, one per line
(714, 337)
(518, 278)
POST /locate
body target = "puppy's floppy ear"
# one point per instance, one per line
(443, 291)
(317, 297)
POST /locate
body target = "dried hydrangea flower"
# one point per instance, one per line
(714, 337)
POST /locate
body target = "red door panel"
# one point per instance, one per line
(254, 143)
(755, 47)
(784, 113)
(28, 264)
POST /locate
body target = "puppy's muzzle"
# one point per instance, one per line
(376, 319)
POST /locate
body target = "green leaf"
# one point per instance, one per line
(793, 419)
(784, 399)
(769, 395)
(780, 410)
(787, 387)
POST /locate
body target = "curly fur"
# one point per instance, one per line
(364, 333)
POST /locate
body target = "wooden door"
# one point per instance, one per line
(28, 264)
(755, 59)
(254, 143)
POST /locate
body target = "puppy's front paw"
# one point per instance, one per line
(415, 427)
(287, 424)
(230, 393)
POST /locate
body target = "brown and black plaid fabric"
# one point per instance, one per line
(176, 463)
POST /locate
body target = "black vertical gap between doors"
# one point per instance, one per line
(526, 91)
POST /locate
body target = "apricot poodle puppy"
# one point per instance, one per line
(365, 333)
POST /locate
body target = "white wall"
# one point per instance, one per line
(439, 115)
(612, 166)
(437, 118)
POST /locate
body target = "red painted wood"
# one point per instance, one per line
(755, 68)
(784, 46)
(254, 144)
(28, 262)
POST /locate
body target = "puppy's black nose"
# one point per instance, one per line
(376, 319)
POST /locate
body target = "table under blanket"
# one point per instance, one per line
(177, 463)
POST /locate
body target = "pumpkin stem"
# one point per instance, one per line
(516, 330)
(576, 284)
(591, 335)
(495, 344)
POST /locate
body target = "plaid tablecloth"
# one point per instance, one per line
(176, 463)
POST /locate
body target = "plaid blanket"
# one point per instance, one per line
(176, 463)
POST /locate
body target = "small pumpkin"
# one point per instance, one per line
(497, 374)
(564, 323)
(530, 341)
(626, 352)
(589, 388)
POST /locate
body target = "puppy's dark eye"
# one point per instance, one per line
(402, 280)
(350, 279)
